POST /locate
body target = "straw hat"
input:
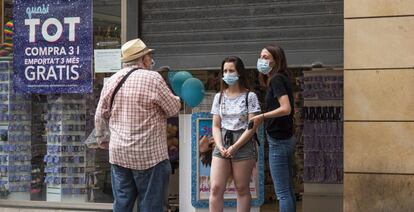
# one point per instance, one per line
(134, 49)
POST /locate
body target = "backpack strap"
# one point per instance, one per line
(247, 102)
(119, 87)
(221, 94)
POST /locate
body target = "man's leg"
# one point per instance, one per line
(152, 186)
(123, 189)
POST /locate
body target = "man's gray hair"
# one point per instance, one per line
(137, 63)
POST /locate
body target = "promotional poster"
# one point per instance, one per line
(53, 46)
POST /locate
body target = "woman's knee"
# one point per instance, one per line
(217, 190)
(243, 190)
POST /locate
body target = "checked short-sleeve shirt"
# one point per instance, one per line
(138, 119)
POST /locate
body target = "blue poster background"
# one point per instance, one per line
(63, 65)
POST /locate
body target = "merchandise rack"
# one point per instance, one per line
(15, 130)
(323, 126)
(66, 153)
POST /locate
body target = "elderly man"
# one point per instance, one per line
(137, 120)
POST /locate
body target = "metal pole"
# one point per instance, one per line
(130, 11)
(124, 21)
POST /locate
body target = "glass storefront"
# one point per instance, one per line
(42, 154)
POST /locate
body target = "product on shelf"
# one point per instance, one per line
(6, 48)
(66, 153)
(323, 126)
(15, 138)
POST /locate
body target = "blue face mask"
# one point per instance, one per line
(263, 66)
(230, 78)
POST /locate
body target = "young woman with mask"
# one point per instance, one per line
(278, 117)
(235, 152)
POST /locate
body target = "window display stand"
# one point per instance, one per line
(15, 138)
(66, 153)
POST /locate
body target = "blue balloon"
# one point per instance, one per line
(178, 80)
(192, 92)
(171, 76)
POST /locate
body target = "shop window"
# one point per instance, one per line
(107, 24)
(42, 156)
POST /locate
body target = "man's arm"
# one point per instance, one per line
(168, 102)
(102, 115)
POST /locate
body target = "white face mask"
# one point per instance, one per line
(230, 78)
(152, 64)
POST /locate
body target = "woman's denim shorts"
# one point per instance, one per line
(247, 151)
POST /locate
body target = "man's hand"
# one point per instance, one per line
(104, 145)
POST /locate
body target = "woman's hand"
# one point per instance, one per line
(257, 120)
(223, 151)
(231, 151)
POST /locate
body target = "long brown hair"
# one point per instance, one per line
(243, 81)
(280, 66)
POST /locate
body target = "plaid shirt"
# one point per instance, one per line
(138, 119)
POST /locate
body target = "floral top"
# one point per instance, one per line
(233, 111)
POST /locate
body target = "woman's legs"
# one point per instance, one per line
(242, 174)
(220, 171)
(281, 168)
